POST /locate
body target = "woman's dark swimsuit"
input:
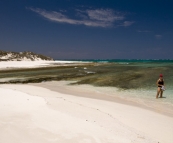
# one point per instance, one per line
(161, 82)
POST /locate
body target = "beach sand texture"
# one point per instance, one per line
(10, 65)
(33, 114)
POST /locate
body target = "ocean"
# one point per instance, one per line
(133, 79)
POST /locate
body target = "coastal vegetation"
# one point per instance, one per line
(22, 56)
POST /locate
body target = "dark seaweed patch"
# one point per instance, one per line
(125, 76)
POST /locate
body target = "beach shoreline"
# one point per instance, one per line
(93, 92)
(60, 111)
(61, 116)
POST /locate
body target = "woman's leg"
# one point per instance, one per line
(161, 93)
(158, 92)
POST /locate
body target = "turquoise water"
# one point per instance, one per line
(122, 60)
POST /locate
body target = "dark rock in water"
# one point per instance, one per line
(22, 56)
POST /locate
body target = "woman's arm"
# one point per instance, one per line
(157, 82)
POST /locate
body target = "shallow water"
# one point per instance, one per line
(135, 79)
(144, 97)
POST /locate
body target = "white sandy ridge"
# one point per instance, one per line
(30, 114)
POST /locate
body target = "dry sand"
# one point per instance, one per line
(35, 114)
(4, 65)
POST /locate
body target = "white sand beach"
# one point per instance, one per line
(45, 113)
(35, 64)
(33, 114)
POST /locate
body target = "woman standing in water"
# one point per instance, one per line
(160, 84)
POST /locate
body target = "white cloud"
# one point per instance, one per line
(104, 15)
(93, 18)
(158, 36)
(127, 23)
(55, 16)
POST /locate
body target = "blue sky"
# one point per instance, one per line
(84, 29)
